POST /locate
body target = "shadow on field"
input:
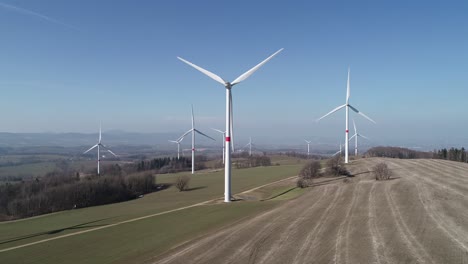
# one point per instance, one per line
(364, 172)
(162, 186)
(195, 188)
(56, 231)
(328, 181)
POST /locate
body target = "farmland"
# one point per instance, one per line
(417, 217)
(203, 186)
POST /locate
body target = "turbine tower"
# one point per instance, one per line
(194, 130)
(229, 116)
(347, 106)
(308, 146)
(223, 133)
(355, 136)
(98, 145)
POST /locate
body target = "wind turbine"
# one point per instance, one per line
(98, 145)
(224, 135)
(229, 116)
(193, 130)
(355, 136)
(308, 147)
(250, 146)
(347, 106)
(178, 145)
(339, 151)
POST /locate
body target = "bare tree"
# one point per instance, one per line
(182, 183)
(309, 172)
(381, 171)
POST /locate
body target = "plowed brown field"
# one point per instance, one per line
(419, 216)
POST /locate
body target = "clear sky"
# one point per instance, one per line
(66, 65)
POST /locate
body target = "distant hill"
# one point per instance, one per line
(81, 139)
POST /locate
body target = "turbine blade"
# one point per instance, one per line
(173, 141)
(217, 130)
(208, 73)
(198, 131)
(107, 148)
(354, 124)
(251, 71)
(112, 153)
(363, 136)
(352, 137)
(331, 112)
(361, 113)
(308, 142)
(182, 137)
(232, 122)
(90, 149)
(347, 87)
(338, 152)
(193, 120)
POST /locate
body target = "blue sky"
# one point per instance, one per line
(66, 65)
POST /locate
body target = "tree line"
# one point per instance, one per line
(62, 191)
(397, 152)
(169, 164)
(252, 161)
(454, 154)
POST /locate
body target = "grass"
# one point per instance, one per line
(205, 186)
(33, 169)
(138, 241)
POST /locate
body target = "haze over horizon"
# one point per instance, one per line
(69, 65)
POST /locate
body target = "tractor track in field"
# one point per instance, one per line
(419, 216)
(137, 218)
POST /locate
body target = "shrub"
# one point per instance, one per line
(301, 183)
(336, 167)
(310, 171)
(381, 171)
(182, 183)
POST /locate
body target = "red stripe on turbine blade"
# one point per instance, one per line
(228, 139)
(193, 149)
(347, 131)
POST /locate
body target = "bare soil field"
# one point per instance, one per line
(419, 216)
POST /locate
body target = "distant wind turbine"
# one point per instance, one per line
(193, 130)
(98, 145)
(339, 151)
(308, 146)
(229, 116)
(178, 145)
(224, 142)
(249, 145)
(347, 106)
(355, 136)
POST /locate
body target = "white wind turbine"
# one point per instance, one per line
(347, 106)
(229, 116)
(223, 133)
(178, 145)
(249, 145)
(355, 136)
(308, 146)
(193, 130)
(98, 145)
(339, 151)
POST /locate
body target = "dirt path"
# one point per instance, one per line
(421, 216)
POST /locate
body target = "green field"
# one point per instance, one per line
(141, 238)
